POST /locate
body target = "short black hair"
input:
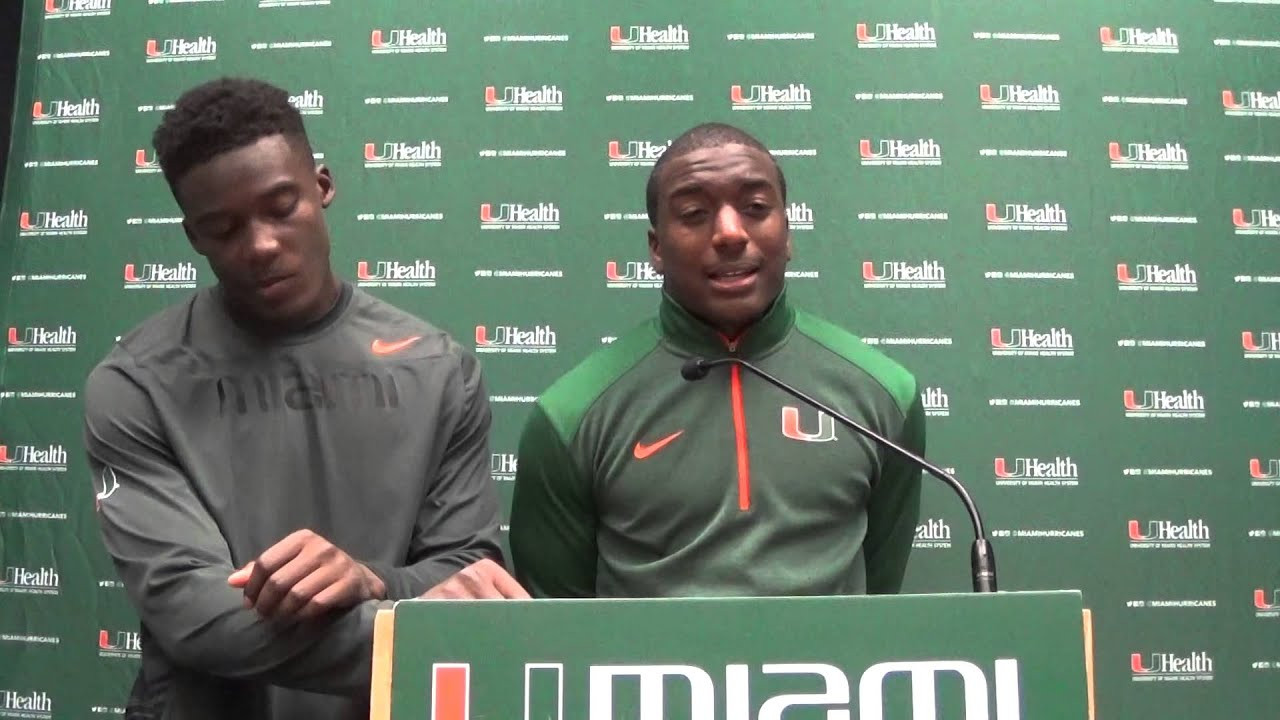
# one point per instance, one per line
(700, 137)
(221, 115)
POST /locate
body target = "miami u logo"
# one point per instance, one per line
(791, 426)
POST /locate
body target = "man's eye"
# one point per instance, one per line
(218, 231)
(285, 206)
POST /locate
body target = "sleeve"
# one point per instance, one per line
(174, 562)
(553, 517)
(459, 518)
(894, 508)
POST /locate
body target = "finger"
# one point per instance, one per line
(272, 559)
(478, 584)
(337, 595)
(240, 578)
(451, 589)
(439, 592)
(282, 581)
(508, 587)
(303, 592)
(488, 579)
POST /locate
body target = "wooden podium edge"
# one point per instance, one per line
(384, 632)
(1088, 657)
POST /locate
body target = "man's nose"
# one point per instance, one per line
(263, 243)
(729, 228)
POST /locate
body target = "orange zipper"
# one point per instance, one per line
(740, 433)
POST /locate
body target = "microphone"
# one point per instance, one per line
(982, 559)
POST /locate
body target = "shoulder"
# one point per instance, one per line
(893, 377)
(572, 395)
(157, 339)
(159, 334)
(388, 323)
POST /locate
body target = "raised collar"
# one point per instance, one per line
(689, 334)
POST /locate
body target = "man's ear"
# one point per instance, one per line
(655, 250)
(324, 179)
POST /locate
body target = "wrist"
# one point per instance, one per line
(375, 588)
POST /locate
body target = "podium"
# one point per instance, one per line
(998, 656)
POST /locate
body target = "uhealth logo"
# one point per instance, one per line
(1171, 667)
(1050, 217)
(1184, 404)
(902, 153)
(638, 153)
(1264, 606)
(892, 36)
(1260, 221)
(799, 216)
(52, 222)
(795, 96)
(1145, 156)
(66, 112)
(119, 644)
(1268, 476)
(518, 98)
(422, 154)
(540, 339)
(1169, 535)
(1251, 103)
(515, 216)
(632, 275)
(1260, 345)
(33, 458)
(1027, 342)
(1150, 277)
(145, 163)
(1137, 40)
(935, 401)
(1017, 97)
(391, 273)
(199, 49)
(29, 581)
(1035, 472)
(406, 40)
(902, 275)
(648, 37)
(54, 9)
(42, 340)
(503, 466)
(26, 704)
(158, 276)
(308, 102)
(932, 533)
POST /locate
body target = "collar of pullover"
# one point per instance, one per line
(693, 336)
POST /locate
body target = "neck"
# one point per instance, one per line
(327, 299)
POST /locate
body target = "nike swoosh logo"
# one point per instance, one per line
(643, 451)
(384, 347)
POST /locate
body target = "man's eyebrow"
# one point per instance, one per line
(750, 184)
(754, 184)
(281, 185)
(688, 187)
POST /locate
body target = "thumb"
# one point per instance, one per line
(240, 578)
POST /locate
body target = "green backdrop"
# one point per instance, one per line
(1064, 217)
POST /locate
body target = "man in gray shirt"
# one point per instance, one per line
(282, 453)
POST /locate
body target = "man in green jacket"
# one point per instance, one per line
(633, 482)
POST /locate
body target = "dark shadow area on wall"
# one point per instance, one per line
(10, 30)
